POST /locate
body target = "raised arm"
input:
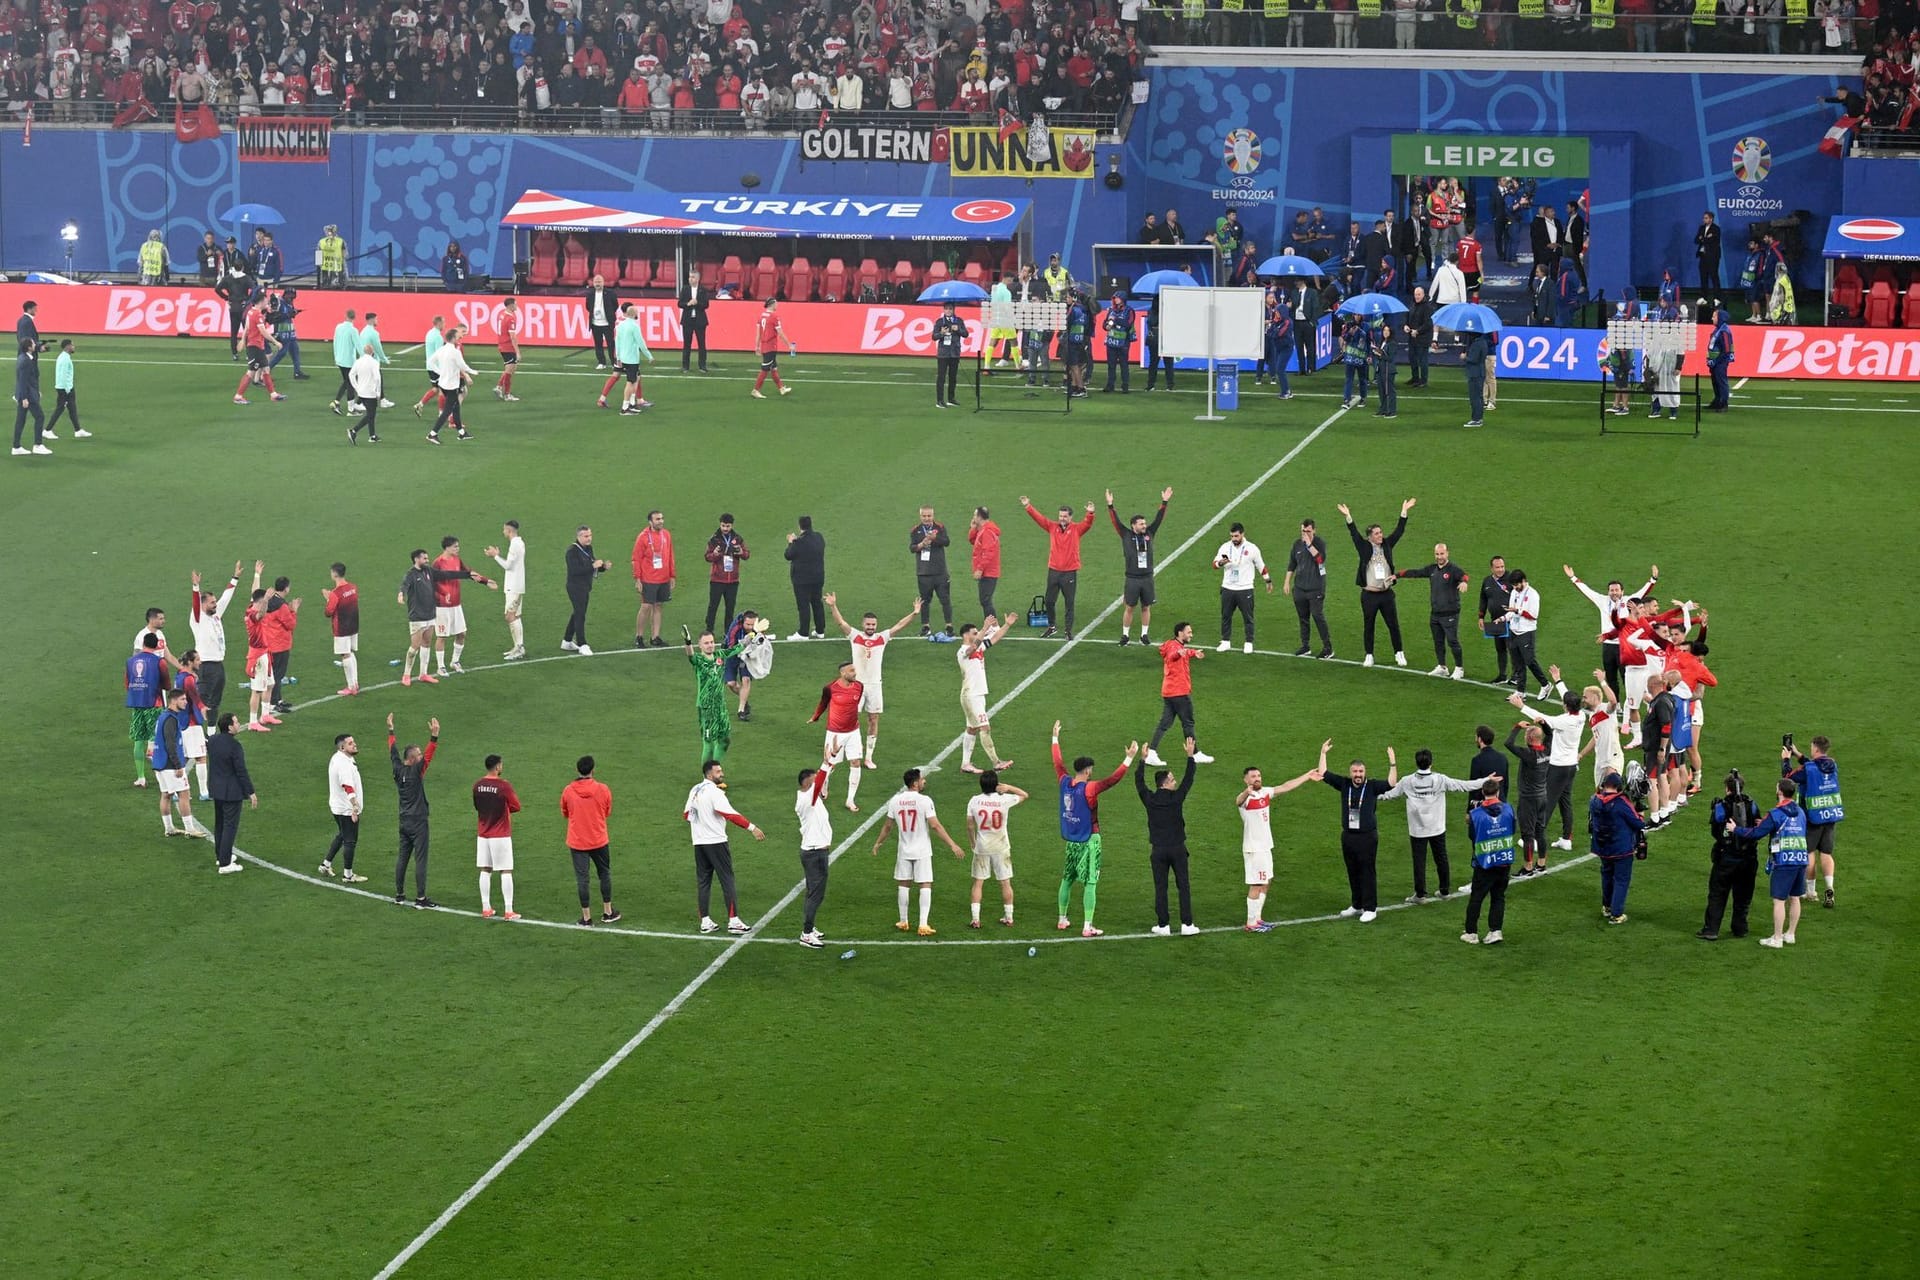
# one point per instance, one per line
(912, 613)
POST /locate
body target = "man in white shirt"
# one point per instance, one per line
(210, 640)
(513, 581)
(708, 813)
(1563, 754)
(1255, 803)
(156, 619)
(345, 800)
(1523, 626)
(848, 91)
(972, 657)
(911, 813)
(808, 86)
(987, 832)
(1615, 607)
(869, 654)
(816, 845)
(1238, 561)
(1449, 282)
(451, 374)
(1426, 795)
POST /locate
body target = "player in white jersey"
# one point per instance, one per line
(1255, 803)
(1600, 705)
(911, 813)
(869, 652)
(987, 833)
(816, 845)
(972, 657)
(513, 583)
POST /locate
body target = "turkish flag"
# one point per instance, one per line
(195, 124)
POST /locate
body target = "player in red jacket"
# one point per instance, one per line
(1063, 559)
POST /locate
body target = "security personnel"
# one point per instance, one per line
(153, 259)
(1056, 276)
(1490, 828)
(1117, 324)
(1719, 356)
(949, 338)
(1818, 778)
(1785, 830)
(1734, 860)
(333, 259)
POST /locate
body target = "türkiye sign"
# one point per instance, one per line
(1462, 155)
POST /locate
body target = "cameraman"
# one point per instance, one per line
(1818, 778)
(1735, 860)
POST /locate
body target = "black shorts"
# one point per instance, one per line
(1651, 750)
(631, 372)
(655, 592)
(509, 358)
(1820, 837)
(769, 359)
(1138, 591)
(256, 357)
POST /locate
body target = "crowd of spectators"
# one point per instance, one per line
(624, 63)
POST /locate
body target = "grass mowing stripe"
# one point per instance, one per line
(720, 961)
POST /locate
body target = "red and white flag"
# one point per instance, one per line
(26, 135)
(1839, 137)
(195, 124)
(1010, 125)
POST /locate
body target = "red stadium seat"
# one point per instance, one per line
(936, 272)
(666, 275)
(1848, 292)
(800, 281)
(1910, 317)
(544, 268)
(904, 274)
(733, 275)
(974, 273)
(833, 281)
(1880, 305)
(766, 278)
(867, 278)
(573, 262)
(637, 274)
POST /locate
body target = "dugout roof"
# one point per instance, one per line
(750, 214)
(1883, 239)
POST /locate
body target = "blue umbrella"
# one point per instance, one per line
(1154, 281)
(259, 215)
(953, 291)
(1289, 264)
(1372, 304)
(1467, 317)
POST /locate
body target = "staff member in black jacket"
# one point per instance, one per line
(1487, 762)
(1495, 600)
(1706, 252)
(949, 340)
(928, 541)
(228, 783)
(410, 779)
(581, 570)
(1375, 578)
(1419, 336)
(1137, 553)
(1306, 583)
(1735, 860)
(603, 312)
(1167, 839)
(694, 298)
(236, 286)
(1446, 585)
(807, 568)
(1360, 829)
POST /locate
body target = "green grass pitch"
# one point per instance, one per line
(263, 1076)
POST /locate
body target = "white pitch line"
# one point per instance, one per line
(720, 961)
(1740, 384)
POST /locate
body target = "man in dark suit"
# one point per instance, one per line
(1374, 247)
(1547, 241)
(603, 312)
(1706, 252)
(807, 569)
(694, 298)
(229, 784)
(1577, 239)
(1403, 237)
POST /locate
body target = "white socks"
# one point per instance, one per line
(440, 660)
(200, 772)
(486, 890)
(458, 649)
(905, 896)
(351, 666)
(873, 743)
(506, 890)
(976, 913)
(518, 633)
(966, 750)
(1253, 909)
(926, 904)
(166, 821)
(853, 788)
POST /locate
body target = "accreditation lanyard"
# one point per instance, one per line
(1356, 797)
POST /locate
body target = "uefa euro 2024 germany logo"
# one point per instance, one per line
(1241, 151)
(1752, 161)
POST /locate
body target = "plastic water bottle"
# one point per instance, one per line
(848, 955)
(1033, 951)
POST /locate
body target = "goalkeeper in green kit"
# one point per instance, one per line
(710, 694)
(1080, 828)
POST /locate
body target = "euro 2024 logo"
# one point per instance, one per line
(1241, 151)
(1752, 161)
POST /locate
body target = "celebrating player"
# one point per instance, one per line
(840, 703)
(1255, 803)
(709, 695)
(987, 833)
(1080, 828)
(1177, 657)
(974, 644)
(816, 844)
(911, 813)
(708, 813)
(869, 655)
(1136, 541)
(495, 803)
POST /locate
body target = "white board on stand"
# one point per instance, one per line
(1212, 324)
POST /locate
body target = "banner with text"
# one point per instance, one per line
(285, 139)
(981, 152)
(1465, 155)
(874, 142)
